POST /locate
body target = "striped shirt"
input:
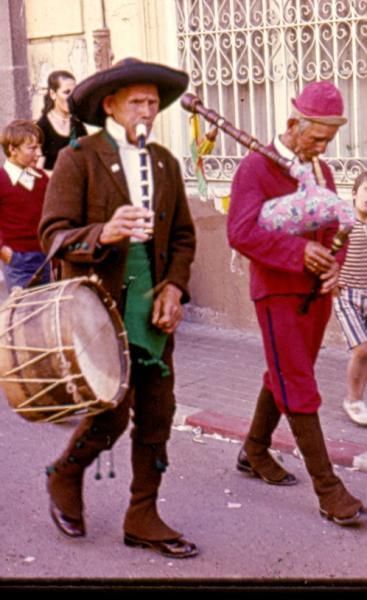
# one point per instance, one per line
(354, 271)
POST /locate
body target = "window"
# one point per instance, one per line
(248, 58)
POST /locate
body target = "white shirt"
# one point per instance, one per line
(25, 177)
(282, 149)
(129, 155)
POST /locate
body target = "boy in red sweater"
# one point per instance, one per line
(22, 191)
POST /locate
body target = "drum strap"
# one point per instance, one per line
(55, 246)
(139, 304)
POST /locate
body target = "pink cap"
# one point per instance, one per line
(322, 102)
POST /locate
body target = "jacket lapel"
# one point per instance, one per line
(108, 154)
(159, 180)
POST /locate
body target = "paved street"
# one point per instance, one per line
(248, 533)
(218, 378)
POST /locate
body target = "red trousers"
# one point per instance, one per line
(291, 343)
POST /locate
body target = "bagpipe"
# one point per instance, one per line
(309, 208)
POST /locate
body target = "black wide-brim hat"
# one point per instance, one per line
(85, 101)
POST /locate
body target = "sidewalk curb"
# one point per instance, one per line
(346, 454)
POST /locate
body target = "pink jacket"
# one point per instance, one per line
(277, 258)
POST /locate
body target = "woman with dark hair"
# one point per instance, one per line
(58, 125)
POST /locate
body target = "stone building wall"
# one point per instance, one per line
(39, 36)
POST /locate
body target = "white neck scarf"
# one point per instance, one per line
(129, 155)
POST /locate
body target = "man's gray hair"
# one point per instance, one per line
(303, 123)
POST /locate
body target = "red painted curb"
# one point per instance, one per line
(340, 451)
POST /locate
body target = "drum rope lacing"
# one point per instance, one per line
(68, 378)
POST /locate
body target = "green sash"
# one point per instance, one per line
(138, 307)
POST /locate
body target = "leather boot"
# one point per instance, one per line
(254, 457)
(143, 526)
(336, 503)
(65, 475)
(142, 519)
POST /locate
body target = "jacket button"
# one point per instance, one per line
(162, 215)
(162, 255)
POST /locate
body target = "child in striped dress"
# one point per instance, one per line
(351, 305)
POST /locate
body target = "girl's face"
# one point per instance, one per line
(360, 200)
(62, 93)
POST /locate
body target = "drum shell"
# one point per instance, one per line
(41, 318)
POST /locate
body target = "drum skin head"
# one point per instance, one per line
(96, 344)
(63, 351)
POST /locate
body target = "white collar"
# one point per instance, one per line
(15, 172)
(25, 177)
(118, 132)
(282, 149)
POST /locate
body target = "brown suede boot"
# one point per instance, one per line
(336, 503)
(65, 475)
(142, 519)
(143, 526)
(254, 457)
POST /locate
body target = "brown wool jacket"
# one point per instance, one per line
(86, 187)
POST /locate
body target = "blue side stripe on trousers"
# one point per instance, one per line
(276, 358)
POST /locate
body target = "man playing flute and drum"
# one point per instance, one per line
(98, 199)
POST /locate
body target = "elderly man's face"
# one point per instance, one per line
(132, 105)
(313, 140)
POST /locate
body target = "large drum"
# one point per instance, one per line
(63, 350)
